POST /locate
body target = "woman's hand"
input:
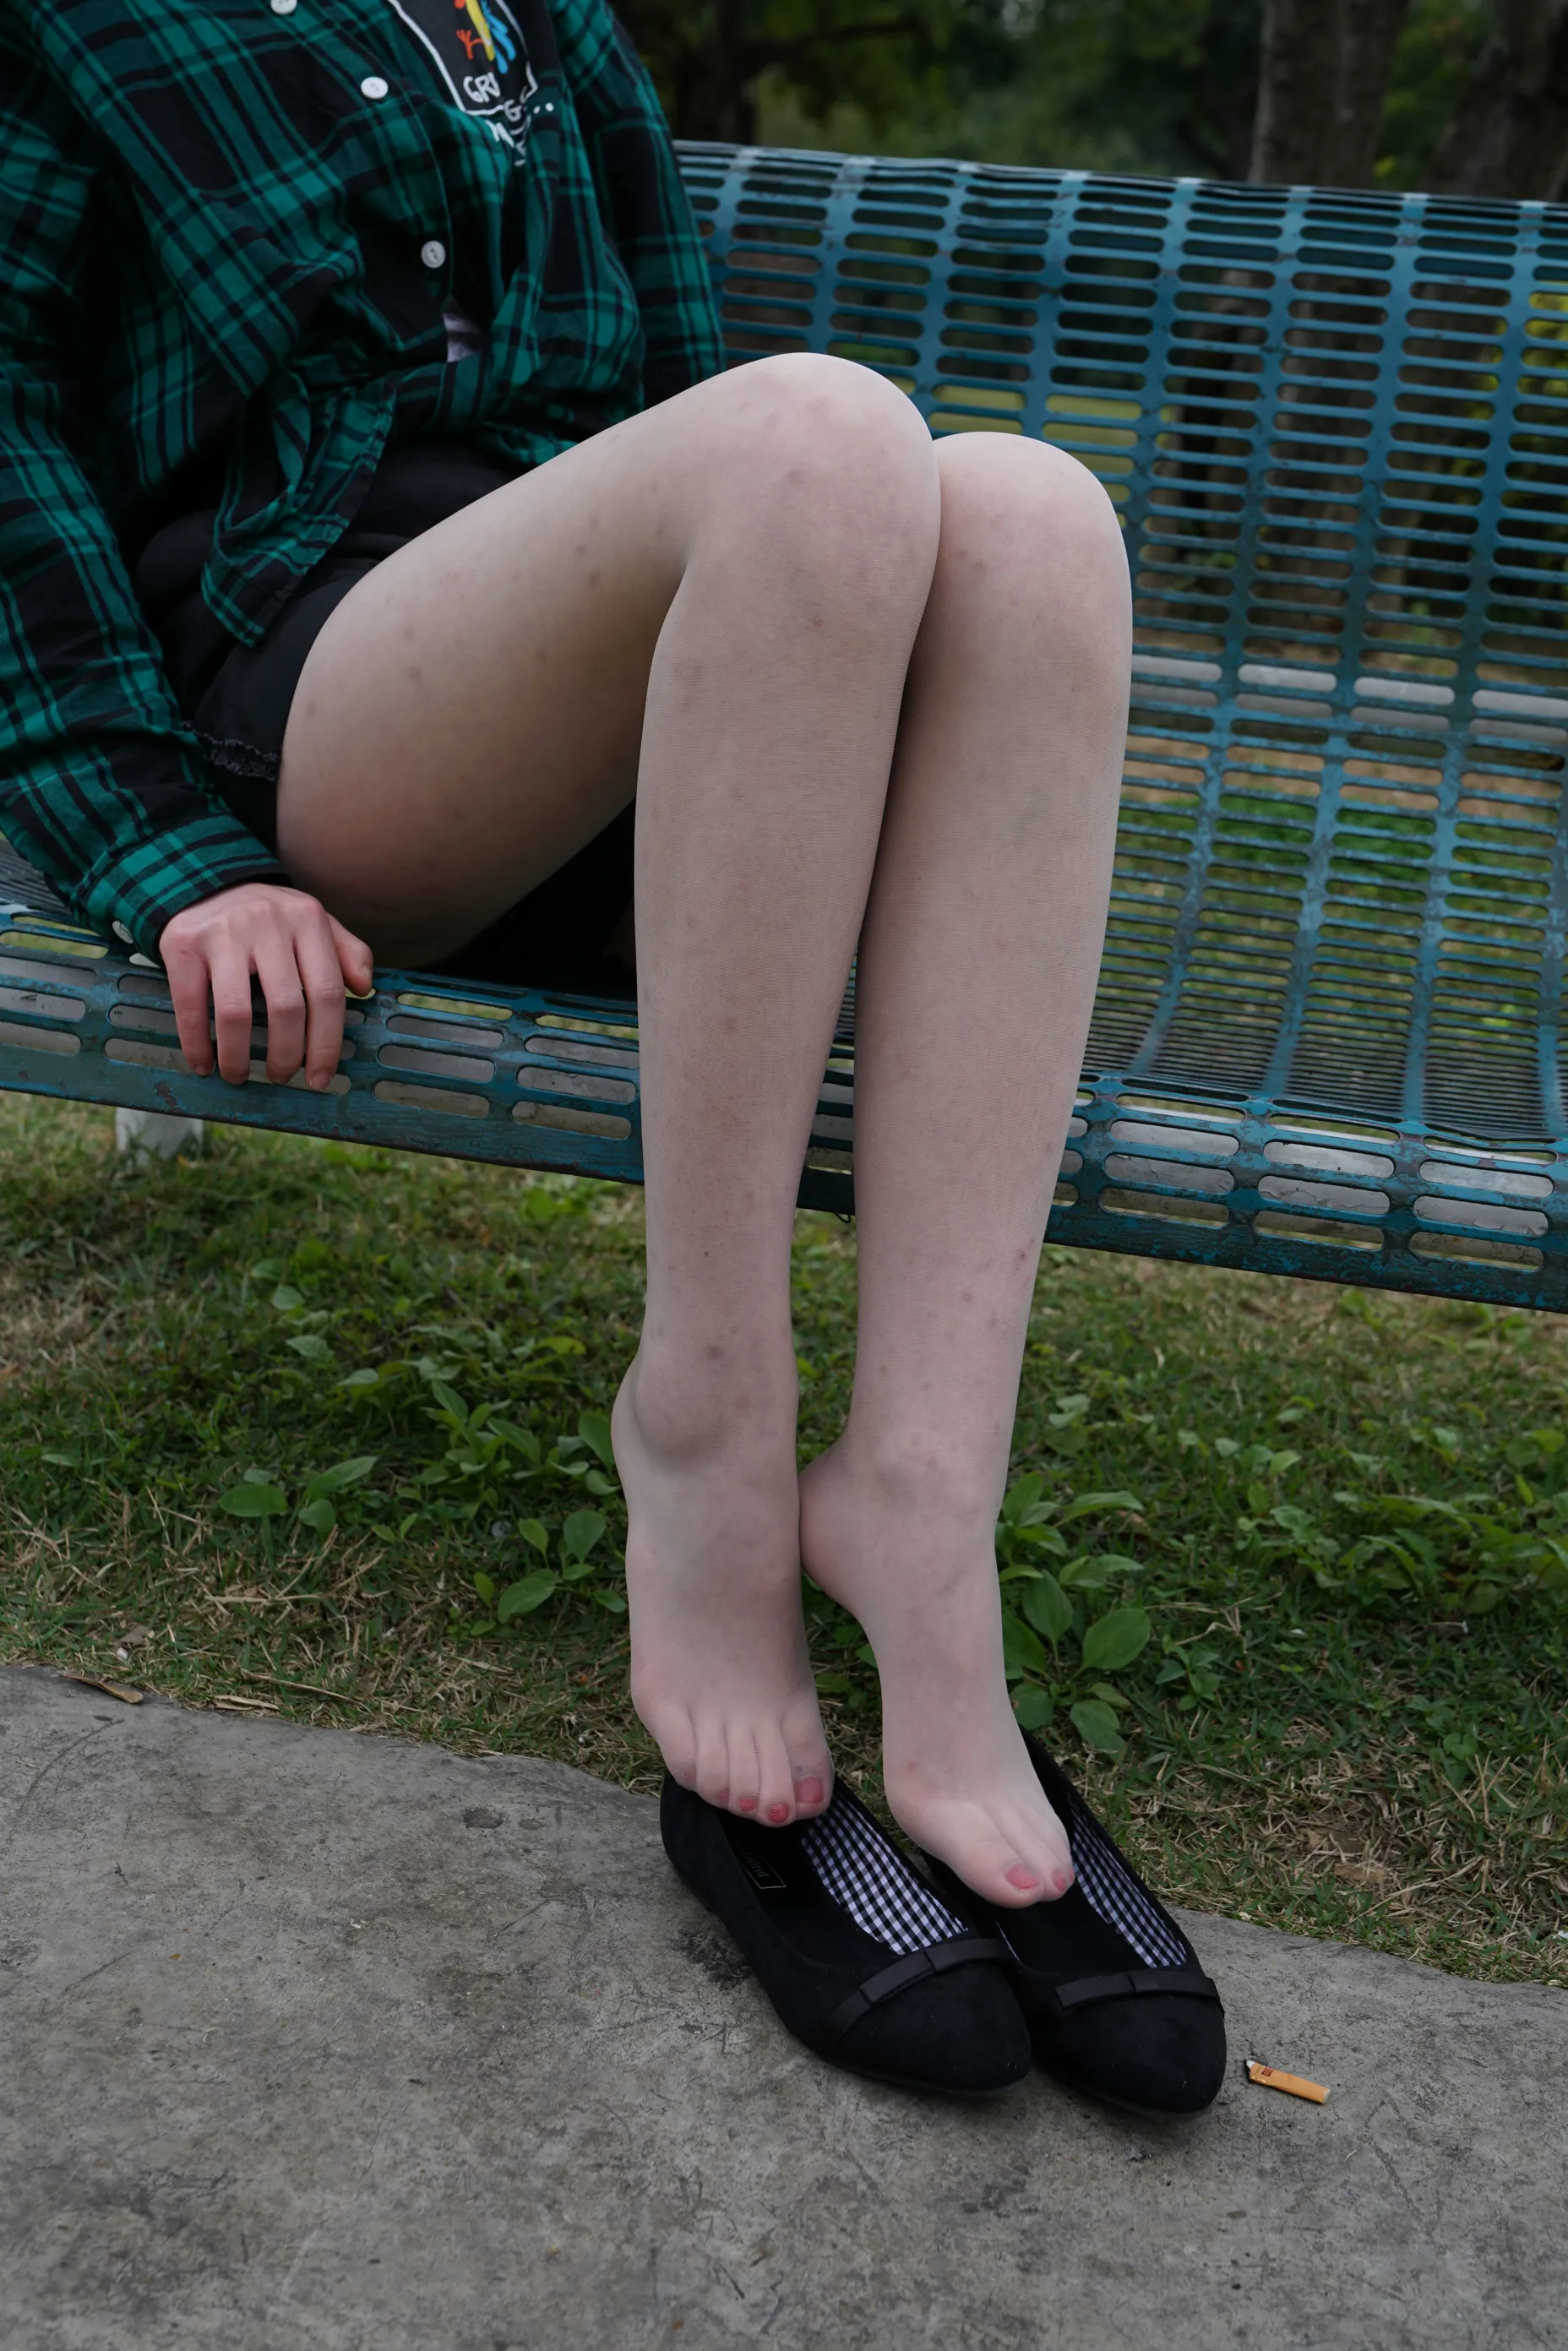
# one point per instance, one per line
(303, 960)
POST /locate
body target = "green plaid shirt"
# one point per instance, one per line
(219, 224)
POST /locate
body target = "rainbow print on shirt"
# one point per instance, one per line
(479, 53)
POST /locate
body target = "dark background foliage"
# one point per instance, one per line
(1468, 96)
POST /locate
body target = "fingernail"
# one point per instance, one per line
(319, 1082)
(809, 1792)
(778, 1814)
(1024, 1879)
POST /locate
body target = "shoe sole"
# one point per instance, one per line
(1126, 2106)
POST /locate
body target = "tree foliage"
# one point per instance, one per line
(881, 57)
(1464, 96)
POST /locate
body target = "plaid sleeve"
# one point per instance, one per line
(644, 200)
(100, 784)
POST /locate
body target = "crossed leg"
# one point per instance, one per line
(976, 973)
(755, 605)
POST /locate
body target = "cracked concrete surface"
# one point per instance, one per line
(318, 2042)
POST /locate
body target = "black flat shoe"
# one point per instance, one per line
(1116, 2002)
(862, 1961)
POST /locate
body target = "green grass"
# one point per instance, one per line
(1330, 1534)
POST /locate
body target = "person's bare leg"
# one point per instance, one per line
(734, 581)
(977, 975)
(749, 908)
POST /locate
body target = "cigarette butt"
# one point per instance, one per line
(1269, 2078)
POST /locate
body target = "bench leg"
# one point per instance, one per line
(154, 1134)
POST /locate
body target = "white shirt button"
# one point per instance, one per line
(284, 7)
(433, 253)
(373, 85)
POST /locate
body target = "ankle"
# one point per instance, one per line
(919, 1474)
(687, 1412)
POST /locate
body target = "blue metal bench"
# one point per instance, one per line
(1335, 426)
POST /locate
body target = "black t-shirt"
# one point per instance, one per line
(479, 50)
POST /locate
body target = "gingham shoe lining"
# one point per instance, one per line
(1109, 1890)
(870, 1878)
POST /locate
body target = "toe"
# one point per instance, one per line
(778, 1791)
(713, 1764)
(998, 1865)
(747, 1777)
(1037, 1868)
(672, 1730)
(993, 1870)
(810, 1767)
(1043, 1844)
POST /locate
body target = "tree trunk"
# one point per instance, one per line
(1297, 89)
(1508, 136)
(716, 79)
(1323, 73)
(1370, 36)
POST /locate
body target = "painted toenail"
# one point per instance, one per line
(1022, 1878)
(1062, 1880)
(778, 1814)
(809, 1792)
(746, 1803)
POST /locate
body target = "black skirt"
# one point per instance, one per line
(236, 700)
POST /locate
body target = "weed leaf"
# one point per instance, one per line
(1022, 1651)
(1048, 1607)
(254, 1501)
(594, 1429)
(342, 1473)
(532, 1592)
(1116, 1640)
(1087, 1504)
(580, 1532)
(1096, 1726)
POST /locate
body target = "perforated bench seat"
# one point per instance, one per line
(1335, 428)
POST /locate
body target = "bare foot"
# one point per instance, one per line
(917, 1566)
(720, 1671)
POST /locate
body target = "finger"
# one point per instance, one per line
(354, 959)
(231, 1012)
(277, 967)
(191, 989)
(321, 972)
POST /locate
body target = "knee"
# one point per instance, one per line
(1035, 521)
(830, 451)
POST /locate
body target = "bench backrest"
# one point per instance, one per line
(1335, 427)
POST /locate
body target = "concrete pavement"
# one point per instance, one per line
(311, 2041)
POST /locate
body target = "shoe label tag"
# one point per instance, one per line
(762, 1874)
